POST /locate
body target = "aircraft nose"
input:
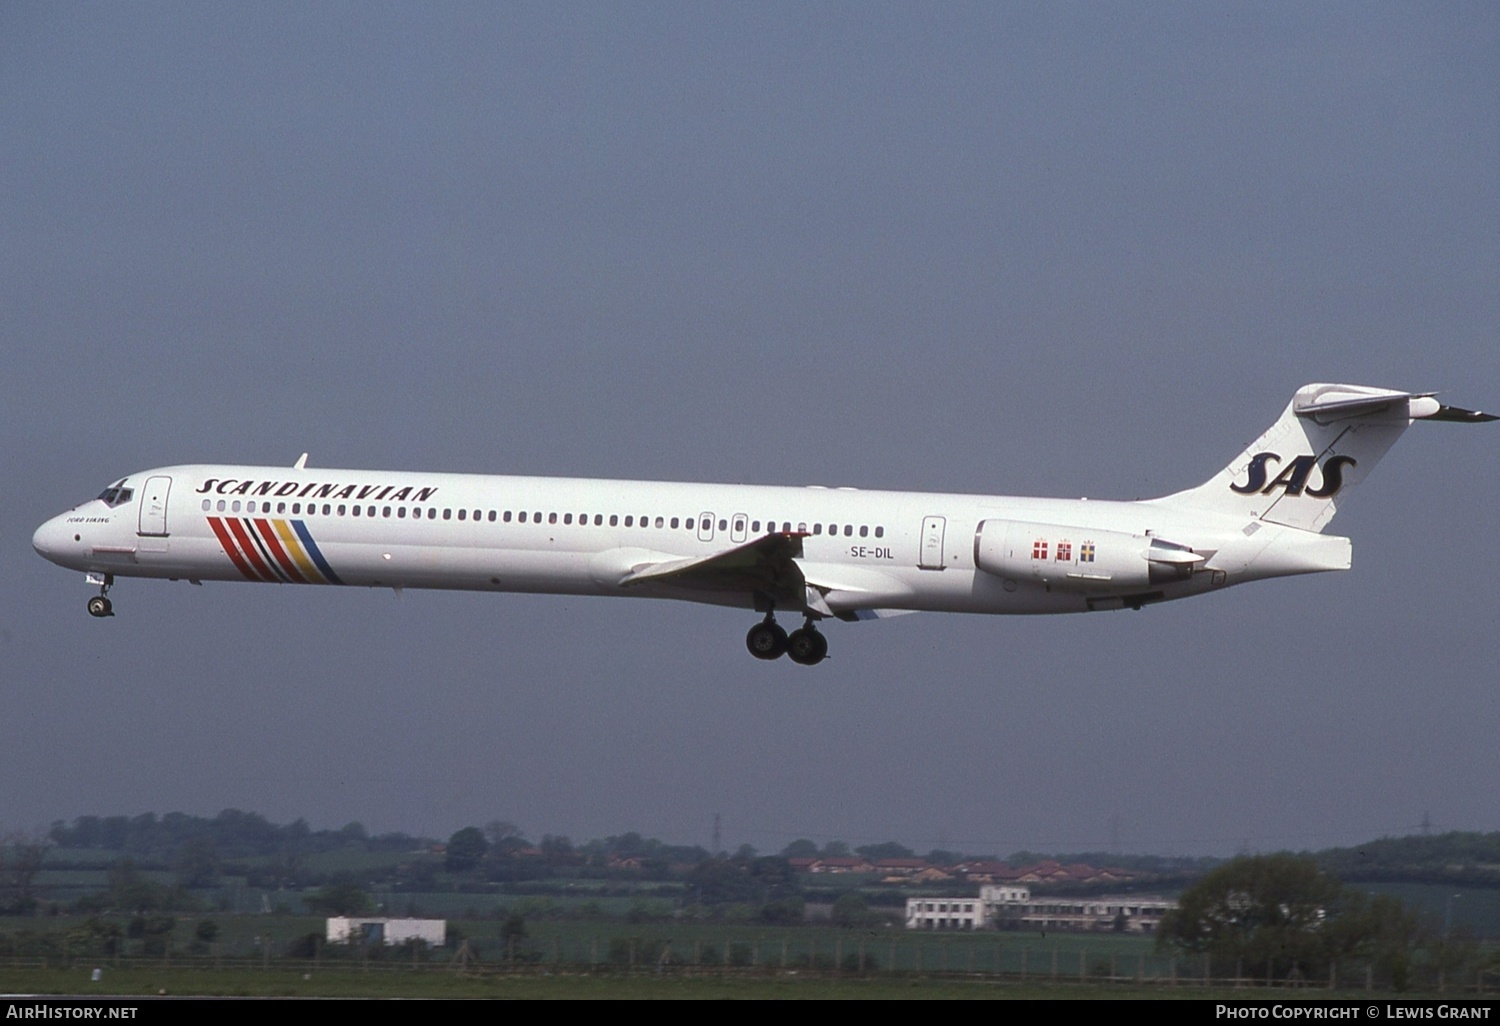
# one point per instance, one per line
(51, 539)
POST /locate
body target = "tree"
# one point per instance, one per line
(504, 836)
(339, 899)
(851, 909)
(1266, 915)
(513, 929)
(465, 849)
(801, 848)
(1381, 931)
(556, 847)
(18, 872)
(197, 862)
(885, 850)
(720, 881)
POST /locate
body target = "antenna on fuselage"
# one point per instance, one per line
(301, 463)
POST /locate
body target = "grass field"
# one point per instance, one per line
(388, 983)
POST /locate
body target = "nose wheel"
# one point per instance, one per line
(100, 605)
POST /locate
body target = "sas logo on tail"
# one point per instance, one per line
(1293, 478)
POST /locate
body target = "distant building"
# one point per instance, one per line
(354, 930)
(945, 914)
(843, 865)
(1012, 906)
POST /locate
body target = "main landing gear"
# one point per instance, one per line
(100, 605)
(806, 645)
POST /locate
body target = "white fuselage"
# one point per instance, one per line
(861, 551)
(814, 552)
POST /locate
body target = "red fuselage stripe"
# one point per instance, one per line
(230, 548)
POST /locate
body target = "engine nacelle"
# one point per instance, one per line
(1079, 559)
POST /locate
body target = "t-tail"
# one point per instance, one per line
(1325, 442)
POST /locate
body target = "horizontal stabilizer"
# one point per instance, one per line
(1458, 416)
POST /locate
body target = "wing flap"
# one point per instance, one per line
(766, 566)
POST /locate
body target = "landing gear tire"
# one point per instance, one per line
(807, 646)
(766, 640)
(101, 606)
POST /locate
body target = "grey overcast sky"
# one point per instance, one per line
(1025, 248)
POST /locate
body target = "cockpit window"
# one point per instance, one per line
(116, 496)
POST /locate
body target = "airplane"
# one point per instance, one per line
(814, 552)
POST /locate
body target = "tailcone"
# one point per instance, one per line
(1302, 552)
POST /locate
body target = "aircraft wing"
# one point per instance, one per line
(766, 565)
(773, 566)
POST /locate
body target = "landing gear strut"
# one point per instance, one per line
(100, 605)
(766, 639)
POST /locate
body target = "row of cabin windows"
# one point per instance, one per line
(630, 520)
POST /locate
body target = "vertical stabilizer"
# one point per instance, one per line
(1299, 471)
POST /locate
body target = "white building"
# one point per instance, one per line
(1012, 906)
(945, 914)
(346, 930)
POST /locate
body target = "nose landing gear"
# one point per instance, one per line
(100, 605)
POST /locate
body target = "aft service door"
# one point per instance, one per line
(932, 543)
(153, 522)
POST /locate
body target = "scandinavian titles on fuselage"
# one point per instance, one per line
(316, 490)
